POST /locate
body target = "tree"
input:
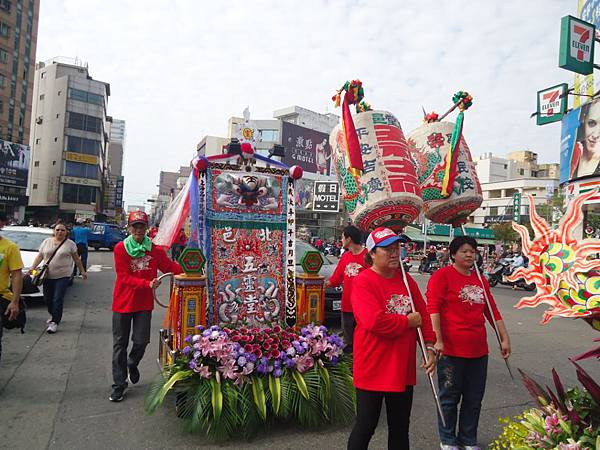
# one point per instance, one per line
(505, 233)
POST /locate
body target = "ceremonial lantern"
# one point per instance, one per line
(310, 290)
(445, 169)
(377, 178)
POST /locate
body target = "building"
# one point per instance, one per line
(114, 173)
(169, 185)
(18, 40)
(69, 142)
(501, 178)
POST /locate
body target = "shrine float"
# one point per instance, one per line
(242, 345)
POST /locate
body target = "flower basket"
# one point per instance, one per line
(232, 383)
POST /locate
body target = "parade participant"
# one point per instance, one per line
(80, 235)
(11, 278)
(153, 231)
(456, 302)
(179, 244)
(385, 343)
(59, 253)
(137, 261)
(349, 266)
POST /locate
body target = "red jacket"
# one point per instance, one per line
(132, 291)
(459, 301)
(348, 268)
(384, 345)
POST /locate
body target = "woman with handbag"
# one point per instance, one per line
(58, 254)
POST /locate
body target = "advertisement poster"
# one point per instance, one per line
(580, 143)
(304, 194)
(14, 164)
(588, 10)
(306, 148)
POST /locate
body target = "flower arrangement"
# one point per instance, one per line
(563, 420)
(231, 382)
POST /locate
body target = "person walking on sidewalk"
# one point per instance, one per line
(456, 302)
(62, 253)
(385, 343)
(11, 278)
(137, 262)
(349, 266)
(80, 236)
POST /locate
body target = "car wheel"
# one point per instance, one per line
(97, 248)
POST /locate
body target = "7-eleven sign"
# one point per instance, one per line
(551, 104)
(576, 45)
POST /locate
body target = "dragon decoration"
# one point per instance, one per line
(564, 269)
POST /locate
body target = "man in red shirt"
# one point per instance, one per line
(137, 261)
(349, 266)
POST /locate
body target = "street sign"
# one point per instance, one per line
(326, 196)
(552, 104)
(576, 51)
(517, 207)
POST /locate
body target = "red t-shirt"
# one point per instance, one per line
(132, 291)
(384, 345)
(460, 302)
(349, 266)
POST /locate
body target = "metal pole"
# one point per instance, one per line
(489, 306)
(423, 348)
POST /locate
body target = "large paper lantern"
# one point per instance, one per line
(429, 145)
(386, 192)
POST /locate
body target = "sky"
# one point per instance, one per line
(179, 69)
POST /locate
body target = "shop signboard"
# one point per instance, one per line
(583, 87)
(80, 157)
(576, 45)
(306, 148)
(326, 196)
(82, 181)
(14, 164)
(551, 104)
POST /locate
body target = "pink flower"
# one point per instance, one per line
(203, 371)
(551, 425)
(304, 363)
(228, 370)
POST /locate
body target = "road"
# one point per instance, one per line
(54, 388)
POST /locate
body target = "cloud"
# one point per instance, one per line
(178, 70)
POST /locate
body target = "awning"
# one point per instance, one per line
(415, 235)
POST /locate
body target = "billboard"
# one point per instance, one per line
(327, 196)
(589, 11)
(14, 164)
(306, 148)
(580, 143)
(304, 194)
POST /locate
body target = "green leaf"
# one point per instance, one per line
(157, 396)
(258, 392)
(327, 382)
(216, 399)
(299, 379)
(275, 388)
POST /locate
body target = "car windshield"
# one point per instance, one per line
(303, 247)
(26, 240)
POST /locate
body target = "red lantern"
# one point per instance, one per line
(296, 172)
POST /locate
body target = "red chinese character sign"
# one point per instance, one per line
(386, 192)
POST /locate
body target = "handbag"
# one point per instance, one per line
(21, 319)
(41, 273)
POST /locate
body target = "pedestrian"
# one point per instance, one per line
(385, 342)
(349, 266)
(179, 244)
(80, 236)
(59, 253)
(137, 261)
(457, 304)
(11, 278)
(153, 231)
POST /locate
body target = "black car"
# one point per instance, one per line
(333, 296)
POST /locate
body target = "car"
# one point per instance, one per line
(333, 296)
(29, 240)
(105, 235)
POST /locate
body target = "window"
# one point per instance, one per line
(3, 56)
(493, 211)
(2, 81)
(5, 5)
(505, 166)
(36, 164)
(81, 170)
(73, 193)
(269, 135)
(82, 145)
(42, 74)
(37, 141)
(85, 122)
(521, 171)
(84, 96)
(4, 29)
(35, 186)
(42, 96)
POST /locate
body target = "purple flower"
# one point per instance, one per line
(242, 361)
(187, 349)
(188, 338)
(277, 372)
(289, 363)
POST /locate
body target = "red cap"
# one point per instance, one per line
(381, 237)
(137, 217)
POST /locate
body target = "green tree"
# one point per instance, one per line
(505, 233)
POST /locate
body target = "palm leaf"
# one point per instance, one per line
(157, 396)
(275, 389)
(258, 392)
(301, 383)
(216, 399)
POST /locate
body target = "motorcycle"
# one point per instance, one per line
(428, 266)
(407, 265)
(499, 273)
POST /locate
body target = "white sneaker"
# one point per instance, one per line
(52, 327)
(49, 320)
(449, 447)
(472, 447)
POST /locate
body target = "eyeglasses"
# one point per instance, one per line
(391, 249)
(60, 229)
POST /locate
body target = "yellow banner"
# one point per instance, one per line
(78, 157)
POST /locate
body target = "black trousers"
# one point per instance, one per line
(122, 328)
(368, 408)
(348, 326)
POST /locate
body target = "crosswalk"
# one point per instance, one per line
(98, 268)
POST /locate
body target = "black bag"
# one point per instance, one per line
(21, 319)
(41, 273)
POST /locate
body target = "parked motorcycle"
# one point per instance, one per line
(428, 266)
(499, 273)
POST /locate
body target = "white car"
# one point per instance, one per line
(29, 240)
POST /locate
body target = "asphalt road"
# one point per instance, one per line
(54, 388)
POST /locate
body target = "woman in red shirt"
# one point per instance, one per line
(385, 342)
(456, 302)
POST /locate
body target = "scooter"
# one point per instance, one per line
(407, 265)
(499, 273)
(428, 266)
